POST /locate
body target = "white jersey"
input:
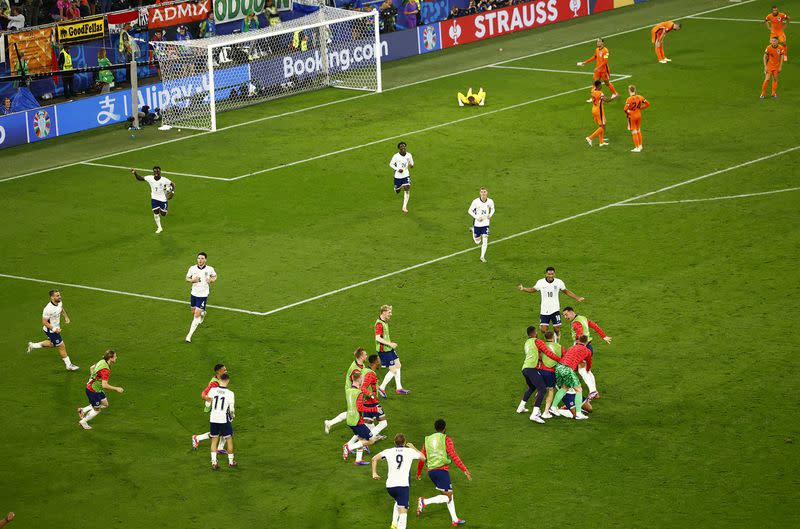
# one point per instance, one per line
(399, 459)
(201, 289)
(549, 292)
(222, 401)
(402, 162)
(481, 211)
(158, 188)
(52, 313)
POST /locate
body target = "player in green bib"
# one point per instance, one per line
(219, 370)
(355, 420)
(440, 453)
(548, 360)
(360, 357)
(96, 388)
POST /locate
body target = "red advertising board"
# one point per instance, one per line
(509, 20)
(176, 14)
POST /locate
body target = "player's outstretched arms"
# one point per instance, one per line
(573, 295)
(8, 519)
(468, 474)
(607, 339)
(136, 175)
(525, 289)
(109, 387)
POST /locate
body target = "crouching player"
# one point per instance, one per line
(566, 375)
(222, 413)
(96, 387)
(399, 461)
(439, 450)
(355, 420)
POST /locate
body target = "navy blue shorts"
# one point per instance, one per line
(400, 495)
(200, 303)
(554, 318)
(95, 397)
(478, 231)
(400, 182)
(54, 337)
(157, 204)
(569, 400)
(361, 431)
(388, 358)
(549, 378)
(441, 480)
(224, 429)
(374, 414)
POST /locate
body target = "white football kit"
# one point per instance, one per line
(158, 188)
(549, 293)
(52, 313)
(222, 405)
(401, 162)
(202, 288)
(399, 459)
(481, 212)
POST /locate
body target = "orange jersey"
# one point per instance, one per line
(635, 104)
(601, 56)
(776, 22)
(775, 55)
(597, 107)
(664, 27)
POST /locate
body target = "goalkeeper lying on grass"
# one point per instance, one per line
(472, 99)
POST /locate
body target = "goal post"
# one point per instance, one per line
(329, 47)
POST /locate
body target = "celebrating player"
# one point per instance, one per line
(580, 326)
(385, 348)
(161, 191)
(222, 402)
(567, 378)
(356, 365)
(399, 460)
(601, 69)
(96, 388)
(402, 162)
(200, 276)
(657, 35)
(533, 377)
(375, 420)
(550, 308)
(219, 370)
(633, 109)
(481, 210)
(597, 99)
(547, 369)
(440, 451)
(776, 22)
(51, 325)
(774, 57)
(355, 420)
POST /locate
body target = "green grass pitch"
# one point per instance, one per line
(698, 423)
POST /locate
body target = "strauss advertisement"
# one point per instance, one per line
(509, 20)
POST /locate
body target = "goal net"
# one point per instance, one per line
(327, 48)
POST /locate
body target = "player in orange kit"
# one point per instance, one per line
(774, 57)
(601, 70)
(598, 113)
(657, 35)
(776, 22)
(633, 108)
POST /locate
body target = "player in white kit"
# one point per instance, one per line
(51, 325)
(399, 460)
(481, 210)
(222, 412)
(200, 276)
(550, 312)
(402, 162)
(161, 191)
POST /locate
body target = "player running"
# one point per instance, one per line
(162, 189)
(776, 22)
(355, 420)
(402, 162)
(440, 451)
(774, 57)
(633, 109)
(601, 70)
(399, 460)
(96, 388)
(657, 35)
(356, 365)
(222, 402)
(219, 370)
(385, 348)
(598, 113)
(375, 420)
(481, 210)
(567, 378)
(580, 326)
(550, 308)
(200, 276)
(51, 325)
(534, 348)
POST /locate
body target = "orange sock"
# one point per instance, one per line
(660, 53)
(764, 88)
(639, 139)
(598, 132)
(611, 87)
(633, 137)
(774, 87)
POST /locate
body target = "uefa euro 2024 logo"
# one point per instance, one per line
(575, 6)
(429, 38)
(41, 124)
(455, 31)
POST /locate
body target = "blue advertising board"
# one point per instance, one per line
(13, 130)
(429, 38)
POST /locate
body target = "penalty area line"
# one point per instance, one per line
(711, 199)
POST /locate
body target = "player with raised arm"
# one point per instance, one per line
(200, 276)
(222, 402)
(375, 420)
(580, 326)
(355, 420)
(402, 163)
(550, 307)
(774, 57)
(481, 210)
(601, 70)
(657, 35)
(776, 22)
(96, 388)
(356, 365)
(51, 325)
(399, 460)
(219, 370)
(162, 190)
(440, 451)
(567, 378)
(633, 110)
(385, 348)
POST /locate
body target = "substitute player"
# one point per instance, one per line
(440, 451)
(360, 356)
(657, 35)
(547, 368)
(162, 189)
(375, 420)
(219, 370)
(567, 378)
(222, 402)
(550, 308)
(601, 70)
(51, 325)
(776, 22)
(386, 350)
(355, 420)
(96, 388)
(633, 109)
(399, 460)
(402, 163)
(534, 349)
(774, 57)
(599, 115)
(580, 326)
(200, 276)
(481, 210)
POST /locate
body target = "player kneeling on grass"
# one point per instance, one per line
(566, 375)
(222, 413)
(399, 460)
(96, 388)
(355, 420)
(476, 100)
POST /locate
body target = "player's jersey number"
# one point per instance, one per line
(399, 460)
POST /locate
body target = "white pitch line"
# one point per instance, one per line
(399, 87)
(162, 172)
(730, 19)
(711, 199)
(541, 70)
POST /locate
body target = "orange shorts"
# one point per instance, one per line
(603, 75)
(781, 36)
(599, 117)
(655, 34)
(773, 72)
(634, 122)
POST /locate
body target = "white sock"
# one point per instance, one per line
(67, 361)
(36, 345)
(536, 411)
(359, 453)
(386, 380)
(588, 377)
(380, 426)
(157, 217)
(339, 418)
(86, 409)
(451, 506)
(398, 384)
(214, 456)
(230, 457)
(358, 445)
(91, 415)
(522, 404)
(406, 195)
(195, 322)
(484, 244)
(441, 498)
(395, 514)
(402, 518)
(203, 436)
(352, 441)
